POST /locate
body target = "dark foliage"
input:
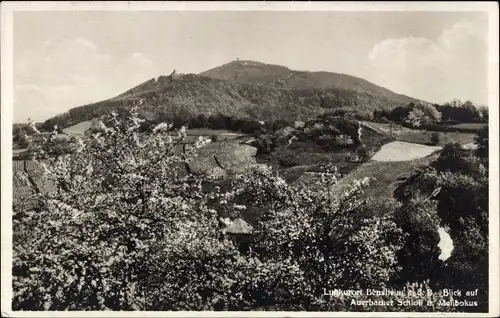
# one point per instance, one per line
(451, 192)
(438, 138)
(462, 113)
(482, 141)
(451, 114)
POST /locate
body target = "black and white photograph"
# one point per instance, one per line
(253, 158)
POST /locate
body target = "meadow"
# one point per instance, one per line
(475, 126)
(387, 175)
(418, 136)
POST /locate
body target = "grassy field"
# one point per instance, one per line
(424, 137)
(421, 136)
(192, 134)
(301, 157)
(209, 132)
(388, 175)
(78, 129)
(476, 126)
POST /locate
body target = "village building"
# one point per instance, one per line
(240, 232)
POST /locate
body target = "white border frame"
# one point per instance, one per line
(7, 11)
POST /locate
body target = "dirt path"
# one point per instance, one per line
(403, 151)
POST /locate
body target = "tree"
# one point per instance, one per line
(461, 112)
(482, 141)
(414, 118)
(469, 106)
(484, 114)
(400, 113)
(438, 138)
(89, 244)
(326, 236)
(423, 114)
(451, 158)
(20, 137)
(456, 103)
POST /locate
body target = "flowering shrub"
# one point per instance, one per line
(298, 124)
(333, 240)
(116, 198)
(343, 140)
(128, 227)
(422, 114)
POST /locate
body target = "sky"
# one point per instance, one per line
(68, 59)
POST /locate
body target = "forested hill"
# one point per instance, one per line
(243, 90)
(252, 72)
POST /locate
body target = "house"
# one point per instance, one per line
(240, 232)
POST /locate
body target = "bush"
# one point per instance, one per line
(422, 114)
(264, 145)
(20, 137)
(343, 141)
(438, 138)
(347, 247)
(287, 159)
(363, 153)
(482, 141)
(451, 158)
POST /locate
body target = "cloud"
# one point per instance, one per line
(141, 60)
(28, 87)
(70, 73)
(453, 66)
(402, 51)
(86, 44)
